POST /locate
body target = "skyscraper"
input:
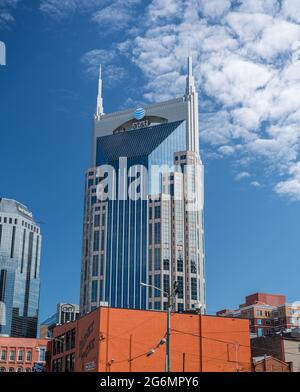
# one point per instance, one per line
(20, 251)
(143, 216)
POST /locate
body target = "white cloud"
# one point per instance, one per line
(226, 150)
(247, 65)
(113, 14)
(242, 175)
(260, 6)
(291, 10)
(247, 61)
(256, 184)
(214, 8)
(112, 72)
(7, 8)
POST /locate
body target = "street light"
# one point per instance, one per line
(171, 295)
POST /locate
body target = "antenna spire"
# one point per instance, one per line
(99, 110)
(190, 81)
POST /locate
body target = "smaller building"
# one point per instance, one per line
(65, 313)
(127, 340)
(268, 314)
(286, 348)
(23, 354)
(268, 363)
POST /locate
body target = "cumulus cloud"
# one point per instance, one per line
(240, 176)
(256, 184)
(112, 72)
(113, 14)
(247, 62)
(7, 8)
(247, 65)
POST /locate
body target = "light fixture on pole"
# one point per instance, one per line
(171, 295)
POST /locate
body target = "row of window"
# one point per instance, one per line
(14, 221)
(268, 313)
(12, 370)
(12, 355)
(66, 364)
(64, 342)
(166, 262)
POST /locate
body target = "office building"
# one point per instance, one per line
(143, 214)
(20, 252)
(65, 313)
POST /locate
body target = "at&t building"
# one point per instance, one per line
(143, 214)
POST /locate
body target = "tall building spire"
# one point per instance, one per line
(190, 81)
(99, 110)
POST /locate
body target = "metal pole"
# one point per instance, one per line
(168, 353)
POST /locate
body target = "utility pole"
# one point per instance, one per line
(171, 295)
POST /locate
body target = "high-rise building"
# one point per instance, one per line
(143, 214)
(20, 251)
(65, 312)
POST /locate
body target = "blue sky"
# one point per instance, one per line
(246, 63)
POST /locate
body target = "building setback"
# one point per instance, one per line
(126, 340)
(20, 252)
(155, 238)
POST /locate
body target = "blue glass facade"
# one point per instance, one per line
(123, 255)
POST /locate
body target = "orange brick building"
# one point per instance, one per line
(21, 354)
(123, 340)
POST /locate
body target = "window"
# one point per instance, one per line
(180, 264)
(292, 321)
(194, 288)
(268, 322)
(28, 370)
(193, 267)
(166, 284)
(259, 321)
(157, 233)
(96, 240)
(12, 355)
(292, 311)
(3, 355)
(94, 290)
(157, 212)
(28, 356)
(157, 264)
(20, 355)
(97, 220)
(42, 356)
(11, 370)
(180, 287)
(157, 293)
(259, 313)
(95, 265)
(2, 370)
(259, 332)
(20, 370)
(166, 264)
